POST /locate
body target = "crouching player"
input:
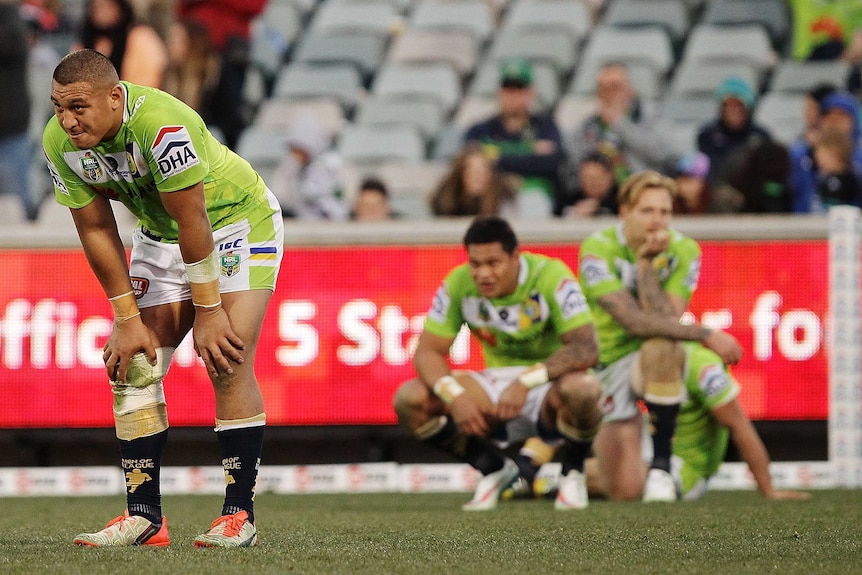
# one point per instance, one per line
(538, 342)
(709, 417)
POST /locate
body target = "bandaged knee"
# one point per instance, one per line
(572, 433)
(139, 402)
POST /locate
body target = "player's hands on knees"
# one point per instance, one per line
(127, 338)
(512, 401)
(725, 345)
(215, 341)
(469, 416)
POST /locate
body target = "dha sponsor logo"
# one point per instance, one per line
(174, 151)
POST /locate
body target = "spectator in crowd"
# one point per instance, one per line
(520, 142)
(837, 184)
(539, 345)
(596, 192)
(838, 111)
(631, 132)
(16, 149)
(811, 112)
(229, 26)
(135, 49)
(372, 202)
(307, 182)
(694, 192)
(729, 138)
(473, 186)
(759, 185)
(193, 68)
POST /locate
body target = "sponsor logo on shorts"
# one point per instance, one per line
(140, 286)
(230, 264)
(173, 150)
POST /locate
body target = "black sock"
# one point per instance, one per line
(240, 449)
(663, 419)
(467, 448)
(528, 469)
(141, 462)
(573, 455)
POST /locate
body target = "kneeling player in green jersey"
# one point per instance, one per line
(205, 257)
(709, 417)
(637, 277)
(538, 341)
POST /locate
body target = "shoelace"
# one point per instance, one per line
(232, 524)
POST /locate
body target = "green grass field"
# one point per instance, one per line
(725, 533)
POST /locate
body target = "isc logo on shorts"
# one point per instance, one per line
(173, 150)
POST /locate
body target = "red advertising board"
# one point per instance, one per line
(338, 335)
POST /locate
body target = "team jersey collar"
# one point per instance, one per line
(523, 272)
(126, 106)
(621, 235)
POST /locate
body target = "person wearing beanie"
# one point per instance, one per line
(729, 138)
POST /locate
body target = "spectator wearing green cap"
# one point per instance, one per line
(729, 139)
(521, 142)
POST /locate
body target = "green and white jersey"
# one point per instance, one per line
(700, 440)
(519, 329)
(163, 145)
(608, 265)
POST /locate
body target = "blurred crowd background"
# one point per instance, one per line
(381, 109)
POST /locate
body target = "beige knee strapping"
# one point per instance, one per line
(139, 402)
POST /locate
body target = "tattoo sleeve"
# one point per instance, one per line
(579, 352)
(650, 295)
(639, 323)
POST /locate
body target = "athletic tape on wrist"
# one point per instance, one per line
(447, 388)
(125, 306)
(534, 376)
(203, 271)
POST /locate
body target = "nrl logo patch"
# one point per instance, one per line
(91, 167)
(230, 264)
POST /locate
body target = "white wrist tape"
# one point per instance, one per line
(447, 388)
(534, 376)
(203, 271)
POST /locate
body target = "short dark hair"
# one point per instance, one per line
(376, 185)
(86, 66)
(489, 230)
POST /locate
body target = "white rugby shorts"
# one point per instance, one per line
(248, 252)
(619, 401)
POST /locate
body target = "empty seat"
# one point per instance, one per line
(703, 78)
(270, 36)
(569, 16)
(773, 15)
(373, 17)
(264, 148)
(435, 81)
(365, 51)
(449, 142)
(571, 112)
(545, 82)
(386, 111)
(371, 145)
(800, 76)
(690, 109)
(782, 114)
(340, 81)
(473, 16)
(554, 48)
(410, 185)
(672, 15)
(744, 43)
(475, 109)
(280, 113)
(424, 46)
(630, 45)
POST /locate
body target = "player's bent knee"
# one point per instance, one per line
(139, 402)
(580, 388)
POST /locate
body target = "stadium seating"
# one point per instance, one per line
(781, 114)
(473, 16)
(363, 50)
(429, 46)
(374, 145)
(340, 81)
(773, 15)
(672, 15)
(281, 113)
(438, 82)
(426, 115)
(372, 17)
(650, 46)
(572, 17)
(799, 76)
